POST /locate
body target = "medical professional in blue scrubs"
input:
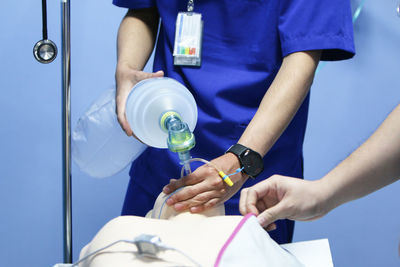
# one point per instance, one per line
(252, 88)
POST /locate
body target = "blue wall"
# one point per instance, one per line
(349, 100)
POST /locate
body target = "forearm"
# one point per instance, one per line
(375, 164)
(281, 102)
(136, 38)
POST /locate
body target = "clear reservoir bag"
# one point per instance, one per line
(101, 148)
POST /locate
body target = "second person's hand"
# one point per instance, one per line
(126, 78)
(282, 197)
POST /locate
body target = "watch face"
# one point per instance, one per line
(252, 163)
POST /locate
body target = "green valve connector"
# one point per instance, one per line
(180, 138)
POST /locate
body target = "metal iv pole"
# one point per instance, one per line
(66, 128)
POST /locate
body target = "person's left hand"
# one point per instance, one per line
(204, 188)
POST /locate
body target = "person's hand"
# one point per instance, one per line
(204, 188)
(281, 197)
(126, 78)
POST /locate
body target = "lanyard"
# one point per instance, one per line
(190, 6)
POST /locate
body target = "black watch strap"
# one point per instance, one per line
(238, 150)
(251, 161)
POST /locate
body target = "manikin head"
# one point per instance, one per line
(172, 227)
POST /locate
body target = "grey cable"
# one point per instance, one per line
(162, 246)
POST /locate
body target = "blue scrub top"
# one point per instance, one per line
(244, 43)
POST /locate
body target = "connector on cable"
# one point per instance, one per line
(149, 245)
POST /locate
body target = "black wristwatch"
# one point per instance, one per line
(251, 161)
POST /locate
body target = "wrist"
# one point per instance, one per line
(125, 72)
(124, 66)
(233, 160)
(326, 197)
(234, 164)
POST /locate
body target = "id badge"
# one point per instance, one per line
(188, 39)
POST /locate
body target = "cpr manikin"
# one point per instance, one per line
(206, 239)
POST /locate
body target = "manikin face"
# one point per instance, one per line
(188, 232)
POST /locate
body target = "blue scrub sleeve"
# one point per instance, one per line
(135, 3)
(317, 24)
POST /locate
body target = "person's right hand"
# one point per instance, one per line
(281, 197)
(126, 78)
